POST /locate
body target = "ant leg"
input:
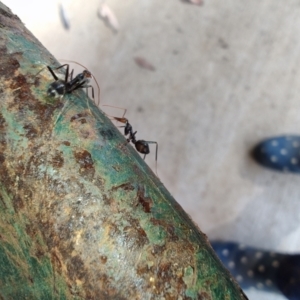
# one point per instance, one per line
(71, 75)
(92, 91)
(76, 87)
(87, 93)
(156, 152)
(81, 86)
(75, 62)
(39, 72)
(67, 74)
(52, 73)
(98, 103)
(61, 112)
(67, 71)
(90, 86)
(57, 68)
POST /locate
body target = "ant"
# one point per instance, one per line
(140, 145)
(59, 87)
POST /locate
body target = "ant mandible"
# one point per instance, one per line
(141, 146)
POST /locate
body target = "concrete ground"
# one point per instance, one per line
(226, 76)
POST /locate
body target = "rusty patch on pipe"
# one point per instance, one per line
(58, 160)
(125, 186)
(145, 202)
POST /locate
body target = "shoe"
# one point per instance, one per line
(281, 153)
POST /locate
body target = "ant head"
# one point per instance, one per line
(87, 74)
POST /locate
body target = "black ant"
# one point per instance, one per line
(140, 145)
(60, 87)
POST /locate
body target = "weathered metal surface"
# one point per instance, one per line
(81, 214)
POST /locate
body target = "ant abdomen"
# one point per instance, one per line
(142, 147)
(56, 89)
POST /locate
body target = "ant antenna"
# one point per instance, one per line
(75, 62)
(124, 109)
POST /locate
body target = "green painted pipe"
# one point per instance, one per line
(81, 214)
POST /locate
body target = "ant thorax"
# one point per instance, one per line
(80, 79)
(128, 129)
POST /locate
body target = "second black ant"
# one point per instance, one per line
(141, 146)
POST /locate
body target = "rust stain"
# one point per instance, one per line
(158, 250)
(170, 229)
(106, 289)
(76, 268)
(19, 81)
(204, 296)
(58, 160)
(33, 163)
(79, 117)
(103, 259)
(125, 186)
(20, 86)
(2, 122)
(165, 270)
(17, 203)
(31, 132)
(145, 202)
(84, 159)
(136, 236)
(8, 66)
(66, 143)
(57, 261)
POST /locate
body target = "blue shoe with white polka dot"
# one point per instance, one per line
(264, 270)
(280, 153)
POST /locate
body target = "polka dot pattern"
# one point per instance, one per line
(262, 270)
(280, 153)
